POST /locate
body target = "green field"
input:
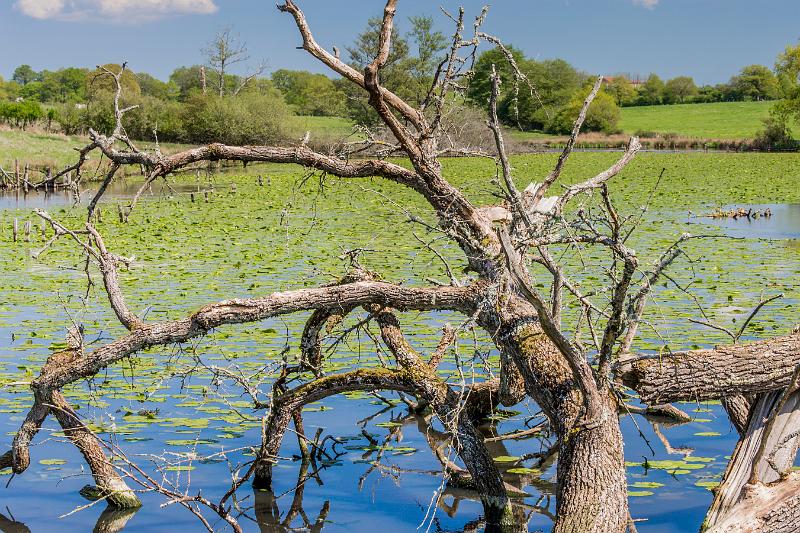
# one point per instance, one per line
(52, 149)
(321, 127)
(720, 120)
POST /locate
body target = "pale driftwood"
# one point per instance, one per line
(765, 508)
(764, 453)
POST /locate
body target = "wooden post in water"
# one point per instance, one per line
(25, 178)
(43, 227)
(16, 173)
(28, 231)
(15, 229)
(260, 181)
(121, 215)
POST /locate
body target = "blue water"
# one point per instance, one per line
(351, 494)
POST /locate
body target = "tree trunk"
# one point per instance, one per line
(592, 488)
(696, 375)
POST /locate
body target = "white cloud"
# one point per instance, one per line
(114, 10)
(649, 4)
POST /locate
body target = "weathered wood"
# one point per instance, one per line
(738, 409)
(780, 448)
(765, 508)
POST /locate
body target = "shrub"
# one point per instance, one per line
(603, 114)
(21, 114)
(246, 119)
(775, 136)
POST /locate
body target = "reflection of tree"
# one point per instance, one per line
(110, 521)
(268, 515)
(456, 489)
(9, 525)
(113, 520)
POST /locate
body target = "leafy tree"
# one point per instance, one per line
(554, 82)
(679, 90)
(602, 115)
(100, 81)
(152, 86)
(405, 74)
(34, 91)
(776, 135)
(788, 68)
(429, 44)
(622, 90)
(652, 91)
(24, 74)
(365, 47)
(756, 82)
(187, 80)
(310, 94)
(480, 85)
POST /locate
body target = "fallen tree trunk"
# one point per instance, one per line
(725, 371)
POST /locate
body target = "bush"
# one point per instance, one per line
(603, 114)
(71, 118)
(246, 119)
(20, 114)
(775, 137)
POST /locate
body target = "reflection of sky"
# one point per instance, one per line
(38, 497)
(783, 224)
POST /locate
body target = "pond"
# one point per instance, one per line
(250, 240)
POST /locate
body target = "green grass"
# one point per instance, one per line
(36, 148)
(720, 120)
(49, 149)
(56, 150)
(321, 127)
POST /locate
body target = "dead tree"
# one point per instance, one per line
(505, 248)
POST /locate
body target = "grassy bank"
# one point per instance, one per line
(725, 121)
(719, 120)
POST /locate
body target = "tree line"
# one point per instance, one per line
(205, 103)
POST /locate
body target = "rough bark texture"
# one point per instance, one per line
(738, 409)
(592, 489)
(739, 369)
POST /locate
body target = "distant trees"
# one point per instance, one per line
(622, 90)
(679, 90)
(20, 114)
(541, 95)
(652, 91)
(756, 82)
(310, 94)
(531, 105)
(24, 74)
(602, 115)
(406, 74)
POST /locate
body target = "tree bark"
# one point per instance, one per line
(592, 488)
(696, 375)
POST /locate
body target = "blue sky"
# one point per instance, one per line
(707, 39)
